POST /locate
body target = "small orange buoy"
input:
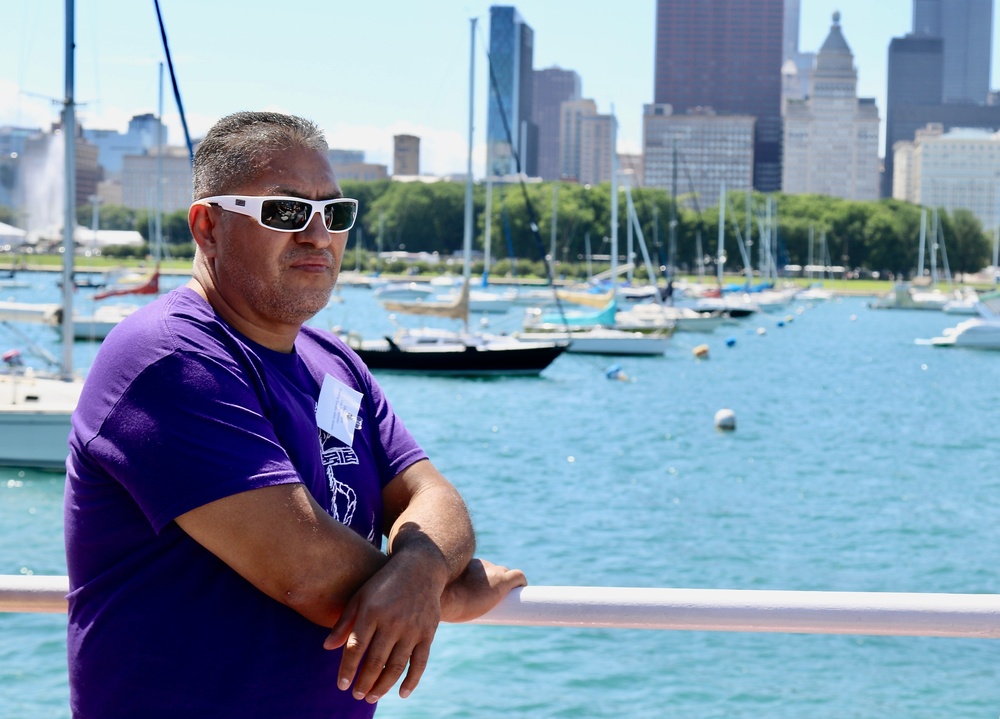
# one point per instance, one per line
(701, 351)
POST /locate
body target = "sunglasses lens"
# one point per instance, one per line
(284, 214)
(339, 216)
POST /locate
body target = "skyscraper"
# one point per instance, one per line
(966, 27)
(511, 53)
(831, 138)
(726, 55)
(405, 155)
(552, 87)
(915, 78)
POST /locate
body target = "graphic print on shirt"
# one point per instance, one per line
(343, 500)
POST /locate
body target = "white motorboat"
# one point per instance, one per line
(35, 411)
(602, 340)
(975, 333)
(906, 297)
(104, 319)
(963, 303)
(814, 294)
(35, 312)
(644, 317)
(404, 292)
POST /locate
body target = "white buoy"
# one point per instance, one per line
(725, 419)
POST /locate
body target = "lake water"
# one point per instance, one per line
(861, 462)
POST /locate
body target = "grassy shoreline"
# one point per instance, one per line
(859, 287)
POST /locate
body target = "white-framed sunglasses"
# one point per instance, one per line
(289, 214)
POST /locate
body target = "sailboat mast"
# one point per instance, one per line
(158, 238)
(69, 204)
(672, 250)
(923, 240)
(467, 234)
(934, 245)
(614, 205)
(720, 260)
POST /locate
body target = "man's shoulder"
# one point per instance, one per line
(178, 320)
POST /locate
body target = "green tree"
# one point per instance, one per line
(967, 246)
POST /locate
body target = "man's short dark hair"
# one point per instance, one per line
(232, 151)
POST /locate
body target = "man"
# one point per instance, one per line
(232, 472)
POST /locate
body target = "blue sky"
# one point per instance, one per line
(363, 69)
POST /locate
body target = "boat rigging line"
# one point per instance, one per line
(532, 217)
(173, 81)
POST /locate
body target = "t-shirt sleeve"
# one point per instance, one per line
(396, 449)
(189, 430)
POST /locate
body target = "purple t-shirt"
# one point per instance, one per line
(180, 410)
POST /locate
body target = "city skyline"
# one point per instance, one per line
(390, 73)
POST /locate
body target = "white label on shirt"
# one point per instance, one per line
(337, 409)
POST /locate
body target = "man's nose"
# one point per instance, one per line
(314, 232)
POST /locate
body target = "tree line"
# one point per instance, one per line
(879, 236)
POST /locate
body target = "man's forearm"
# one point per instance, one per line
(427, 515)
(437, 523)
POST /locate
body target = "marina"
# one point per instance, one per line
(862, 462)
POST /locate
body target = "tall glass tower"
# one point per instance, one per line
(727, 55)
(966, 27)
(510, 97)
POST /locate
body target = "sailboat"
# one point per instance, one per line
(456, 353)
(35, 407)
(905, 296)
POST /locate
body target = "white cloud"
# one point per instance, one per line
(19, 109)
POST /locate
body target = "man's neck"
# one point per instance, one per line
(280, 338)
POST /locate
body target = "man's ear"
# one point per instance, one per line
(202, 228)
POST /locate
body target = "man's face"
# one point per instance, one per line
(280, 278)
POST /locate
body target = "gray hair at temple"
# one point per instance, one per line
(233, 149)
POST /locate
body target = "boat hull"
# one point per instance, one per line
(459, 360)
(35, 439)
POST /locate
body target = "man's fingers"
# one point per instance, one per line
(342, 629)
(354, 651)
(389, 674)
(418, 662)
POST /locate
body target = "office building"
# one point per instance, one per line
(725, 55)
(510, 110)
(831, 138)
(957, 169)
(915, 78)
(711, 151)
(405, 155)
(916, 81)
(596, 138)
(351, 165)
(139, 180)
(571, 115)
(362, 171)
(145, 133)
(551, 87)
(966, 30)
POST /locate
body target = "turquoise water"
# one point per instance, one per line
(861, 462)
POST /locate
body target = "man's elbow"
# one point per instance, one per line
(317, 604)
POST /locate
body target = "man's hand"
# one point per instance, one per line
(480, 588)
(389, 623)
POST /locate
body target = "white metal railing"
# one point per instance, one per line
(723, 610)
